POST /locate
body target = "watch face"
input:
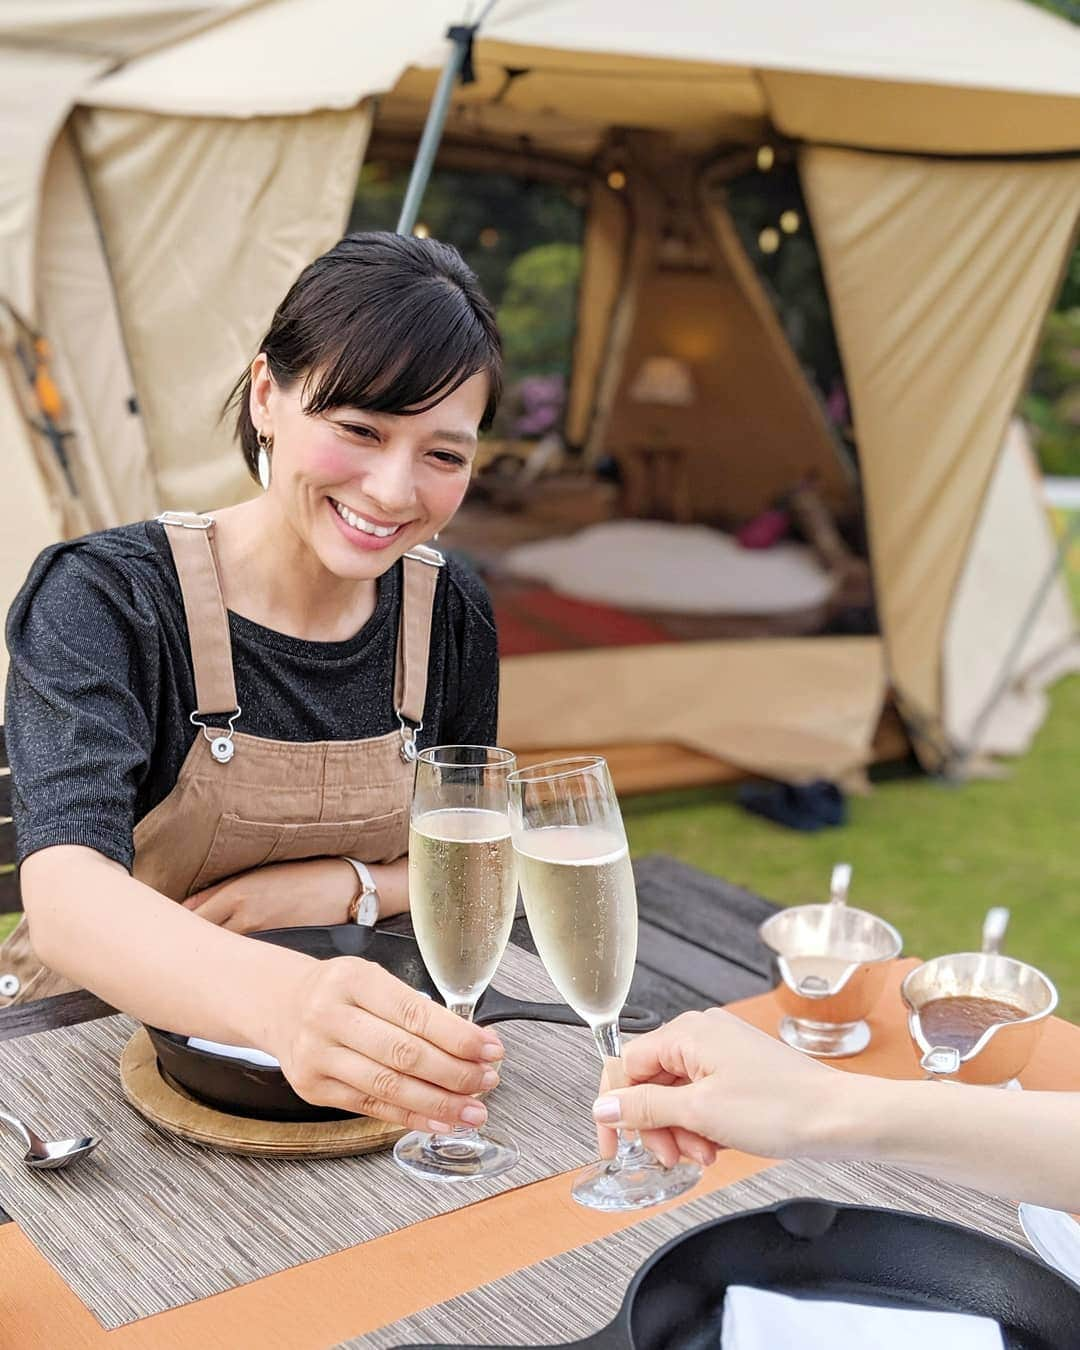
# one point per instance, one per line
(367, 911)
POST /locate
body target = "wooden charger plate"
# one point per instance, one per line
(171, 1109)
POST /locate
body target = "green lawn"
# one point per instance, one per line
(929, 857)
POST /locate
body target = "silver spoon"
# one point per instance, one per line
(42, 1154)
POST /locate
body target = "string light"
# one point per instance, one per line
(421, 230)
(616, 180)
(790, 222)
(766, 158)
(769, 240)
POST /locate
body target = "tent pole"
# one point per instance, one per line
(458, 63)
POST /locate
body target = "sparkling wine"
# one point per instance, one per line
(462, 890)
(582, 908)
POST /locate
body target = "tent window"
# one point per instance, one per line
(523, 239)
(774, 225)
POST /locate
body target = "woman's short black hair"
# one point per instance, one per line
(386, 322)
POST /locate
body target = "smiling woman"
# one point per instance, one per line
(212, 720)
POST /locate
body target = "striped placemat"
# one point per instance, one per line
(150, 1222)
(573, 1295)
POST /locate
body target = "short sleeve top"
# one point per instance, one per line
(100, 687)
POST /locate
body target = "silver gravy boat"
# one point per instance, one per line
(830, 962)
(1002, 1048)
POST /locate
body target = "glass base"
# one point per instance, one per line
(450, 1157)
(635, 1185)
(825, 1040)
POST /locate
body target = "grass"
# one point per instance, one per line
(929, 857)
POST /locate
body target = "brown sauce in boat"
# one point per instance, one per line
(959, 1020)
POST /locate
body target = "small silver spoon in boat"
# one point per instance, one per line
(42, 1154)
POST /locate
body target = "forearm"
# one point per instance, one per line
(149, 956)
(1021, 1145)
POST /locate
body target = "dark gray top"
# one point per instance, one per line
(101, 687)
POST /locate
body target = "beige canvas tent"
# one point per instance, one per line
(171, 167)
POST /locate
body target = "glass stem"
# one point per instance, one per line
(630, 1151)
(468, 1133)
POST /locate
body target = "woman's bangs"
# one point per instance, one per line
(427, 364)
(408, 387)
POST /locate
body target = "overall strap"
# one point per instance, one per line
(191, 539)
(420, 576)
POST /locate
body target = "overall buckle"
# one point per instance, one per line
(221, 747)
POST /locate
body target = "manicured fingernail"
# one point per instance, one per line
(474, 1115)
(493, 1050)
(490, 1079)
(439, 1127)
(701, 1156)
(606, 1110)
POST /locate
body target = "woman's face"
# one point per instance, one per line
(362, 488)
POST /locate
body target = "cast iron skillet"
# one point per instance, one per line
(815, 1249)
(254, 1090)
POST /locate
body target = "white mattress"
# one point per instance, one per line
(677, 569)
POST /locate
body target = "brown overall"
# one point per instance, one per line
(241, 802)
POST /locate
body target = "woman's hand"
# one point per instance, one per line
(351, 1036)
(708, 1079)
(280, 895)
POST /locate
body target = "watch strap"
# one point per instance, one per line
(364, 906)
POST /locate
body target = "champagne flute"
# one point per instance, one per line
(575, 875)
(462, 894)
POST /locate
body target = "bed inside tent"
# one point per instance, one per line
(666, 471)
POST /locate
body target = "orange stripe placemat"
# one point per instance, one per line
(356, 1291)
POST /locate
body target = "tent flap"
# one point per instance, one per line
(208, 223)
(1003, 592)
(78, 316)
(940, 275)
(793, 709)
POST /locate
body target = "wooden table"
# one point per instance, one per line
(693, 950)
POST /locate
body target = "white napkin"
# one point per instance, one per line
(757, 1319)
(236, 1052)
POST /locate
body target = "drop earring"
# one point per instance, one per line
(266, 445)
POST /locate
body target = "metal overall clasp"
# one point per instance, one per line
(221, 746)
(409, 733)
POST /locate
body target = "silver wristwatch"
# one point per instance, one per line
(364, 907)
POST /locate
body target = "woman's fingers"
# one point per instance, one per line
(649, 1107)
(391, 1000)
(674, 1052)
(410, 1055)
(215, 906)
(661, 1143)
(692, 1145)
(343, 1097)
(373, 1083)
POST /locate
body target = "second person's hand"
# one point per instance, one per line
(708, 1080)
(350, 1035)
